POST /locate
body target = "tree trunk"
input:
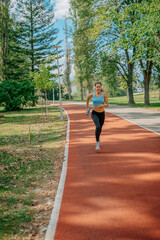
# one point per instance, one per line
(45, 101)
(130, 90)
(32, 49)
(146, 89)
(67, 61)
(130, 94)
(81, 86)
(4, 48)
(88, 86)
(147, 72)
(130, 77)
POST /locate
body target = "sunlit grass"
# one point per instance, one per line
(139, 100)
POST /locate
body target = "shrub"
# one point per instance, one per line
(14, 95)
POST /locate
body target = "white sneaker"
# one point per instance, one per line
(97, 146)
(99, 142)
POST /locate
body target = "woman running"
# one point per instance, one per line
(98, 113)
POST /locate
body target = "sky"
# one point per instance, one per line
(62, 10)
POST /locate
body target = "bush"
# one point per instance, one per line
(14, 95)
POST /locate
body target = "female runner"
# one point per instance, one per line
(98, 113)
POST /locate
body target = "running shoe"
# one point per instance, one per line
(97, 146)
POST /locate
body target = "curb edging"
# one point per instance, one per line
(51, 229)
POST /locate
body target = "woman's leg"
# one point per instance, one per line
(97, 123)
(101, 120)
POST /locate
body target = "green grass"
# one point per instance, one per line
(139, 100)
(24, 166)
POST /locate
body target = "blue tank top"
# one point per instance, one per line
(98, 100)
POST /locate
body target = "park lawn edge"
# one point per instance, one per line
(35, 206)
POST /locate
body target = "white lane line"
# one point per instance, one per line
(134, 122)
(51, 230)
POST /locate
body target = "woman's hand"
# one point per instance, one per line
(101, 106)
(88, 111)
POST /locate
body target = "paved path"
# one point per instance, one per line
(147, 118)
(113, 194)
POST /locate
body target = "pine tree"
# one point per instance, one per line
(13, 58)
(38, 34)
(4, 26)
(35, 19)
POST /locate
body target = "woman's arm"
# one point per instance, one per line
(106, 100)
(88, 98)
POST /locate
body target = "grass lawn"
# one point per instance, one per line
(29, 172)
(139, 100)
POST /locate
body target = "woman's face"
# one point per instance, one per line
(98, 88)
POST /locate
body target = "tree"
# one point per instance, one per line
(14, 63)
(108, 26)
(84, 49)
(66, 77)
(109, 72)
(4, 25)
(35, 19)
(42, 79)
(145, 36)
(77, 62)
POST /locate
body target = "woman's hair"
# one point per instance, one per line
(100, 84)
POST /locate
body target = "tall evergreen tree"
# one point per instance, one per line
(38, 34)
(4, 28)
(35, 19)
(12, 57)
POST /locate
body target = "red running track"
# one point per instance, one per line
(113, 194)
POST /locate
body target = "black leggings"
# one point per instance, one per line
(98, 119)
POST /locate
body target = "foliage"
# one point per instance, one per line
(18, 65)
(106, 30)
(56, 92)
(66, 96)
(145, 31)
(131, 29)
(84, 48)
(37, 33)
(109, 71)
(42, 79)
(14, 95)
